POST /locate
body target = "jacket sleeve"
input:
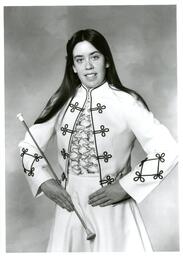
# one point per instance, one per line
(34, 165)
(159, 145)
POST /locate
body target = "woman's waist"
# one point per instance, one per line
(99, 178)
(108, 173)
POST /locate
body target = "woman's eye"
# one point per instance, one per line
(95, 57)
(79, 60)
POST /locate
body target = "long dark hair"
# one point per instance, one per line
(71, 81)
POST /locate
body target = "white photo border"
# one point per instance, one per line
(179, 5)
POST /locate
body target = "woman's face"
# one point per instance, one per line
(89, 64)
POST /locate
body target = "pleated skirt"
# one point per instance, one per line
(118, 228)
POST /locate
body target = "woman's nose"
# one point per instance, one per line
(88, 65)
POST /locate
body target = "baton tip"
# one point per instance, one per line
(91, 236)
(20, 117)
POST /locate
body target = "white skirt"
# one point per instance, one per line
(117, 228)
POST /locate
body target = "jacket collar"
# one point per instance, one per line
(100, 88)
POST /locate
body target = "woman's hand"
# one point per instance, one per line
(58, 194)
(108, 195)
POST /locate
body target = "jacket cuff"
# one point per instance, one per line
(138, 186)
(35, 182)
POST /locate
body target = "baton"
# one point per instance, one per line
(90, 234)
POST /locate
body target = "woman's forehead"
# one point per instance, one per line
(83, 48)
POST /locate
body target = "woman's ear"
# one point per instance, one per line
(107, 65)
(74, 69)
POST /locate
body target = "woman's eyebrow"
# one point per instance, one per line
(94, 52)
(80, 56)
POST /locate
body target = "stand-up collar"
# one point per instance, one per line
(101, 86)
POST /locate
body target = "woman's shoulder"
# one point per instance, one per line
(129, 98)
(123, 96)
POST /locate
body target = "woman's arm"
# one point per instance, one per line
(57, 194)
(159, 145)
(34, 165)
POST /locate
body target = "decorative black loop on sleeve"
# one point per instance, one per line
(36, 157)
(159, 158)
(65, 130)
(143, 161)
(105, 156)
(24, 151)
(158, 175)
(102, 130)
(99, 108)
(64, 154)
(139, 177)
(107, 181)
(75, 107)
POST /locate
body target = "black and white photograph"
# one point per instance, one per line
(91, 133)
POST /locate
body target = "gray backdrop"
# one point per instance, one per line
(143, 43)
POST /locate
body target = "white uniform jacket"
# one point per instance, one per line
(118, 119)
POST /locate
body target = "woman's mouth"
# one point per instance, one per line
(91, 76)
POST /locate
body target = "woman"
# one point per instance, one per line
(96, 120)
